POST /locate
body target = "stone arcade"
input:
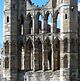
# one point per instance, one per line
(36, 49)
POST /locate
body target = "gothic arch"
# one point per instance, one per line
(48, 54)
(38, 54)
(6, 47)
(56, 54)
(73, 43)
(47, 19)
(28, 58)
(6, 62)
(65, 61)
(38, 22)
(21, 52)
(29, 23)
(21, 28)
(56, 17)
(65, 42)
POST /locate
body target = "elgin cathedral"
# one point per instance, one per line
(36, 49)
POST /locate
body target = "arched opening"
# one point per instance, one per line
(56, 54)
(47, 22)
(65, 45)
(57, 22)
(38, 55)
(21, 24)
(65, 61)
(29, 55)
(21, 53)
(6, 63)
(29, 24)
(6, 48)
(38, 22)
(74, 45)
(48, 54)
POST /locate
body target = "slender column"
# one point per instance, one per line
(55, 24)
(33, 40)
(52, 47)
(43, 68)
(52, 57)
(22, 58)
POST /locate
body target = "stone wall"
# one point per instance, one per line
(39, 76)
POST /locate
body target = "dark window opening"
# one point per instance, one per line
(13, 6)
(7, 19)
(49, 58)
(65, 16)
(56, 54)
(28, 61)
(48, 54)
(22, 19)
(6, 47)
(65, 45)
(38, 55)
(29, 24)
(7, 62)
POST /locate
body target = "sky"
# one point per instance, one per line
(36, 2)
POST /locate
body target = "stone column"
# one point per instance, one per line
(42, 43)
(55, 25)
(33, 40)
(52, 46)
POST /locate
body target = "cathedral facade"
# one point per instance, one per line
(36, 49)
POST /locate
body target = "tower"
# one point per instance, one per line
(13, 10)
(69, 40)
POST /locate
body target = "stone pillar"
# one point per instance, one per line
(33, 40)
(52, 39)
(43, 55)
(45, 25)
(42, 43)
(55, 25)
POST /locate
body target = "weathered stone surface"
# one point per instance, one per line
(38, 50)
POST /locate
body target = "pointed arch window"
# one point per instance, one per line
(56, 54)
(22, 25)
(48, 54)
(65, 60)
(6, 47)
(38, 54)
(65, 45)
(57, 21)
(6, 62)
(47, 22)
(38, 22)
(29, 24)
(28, 61)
